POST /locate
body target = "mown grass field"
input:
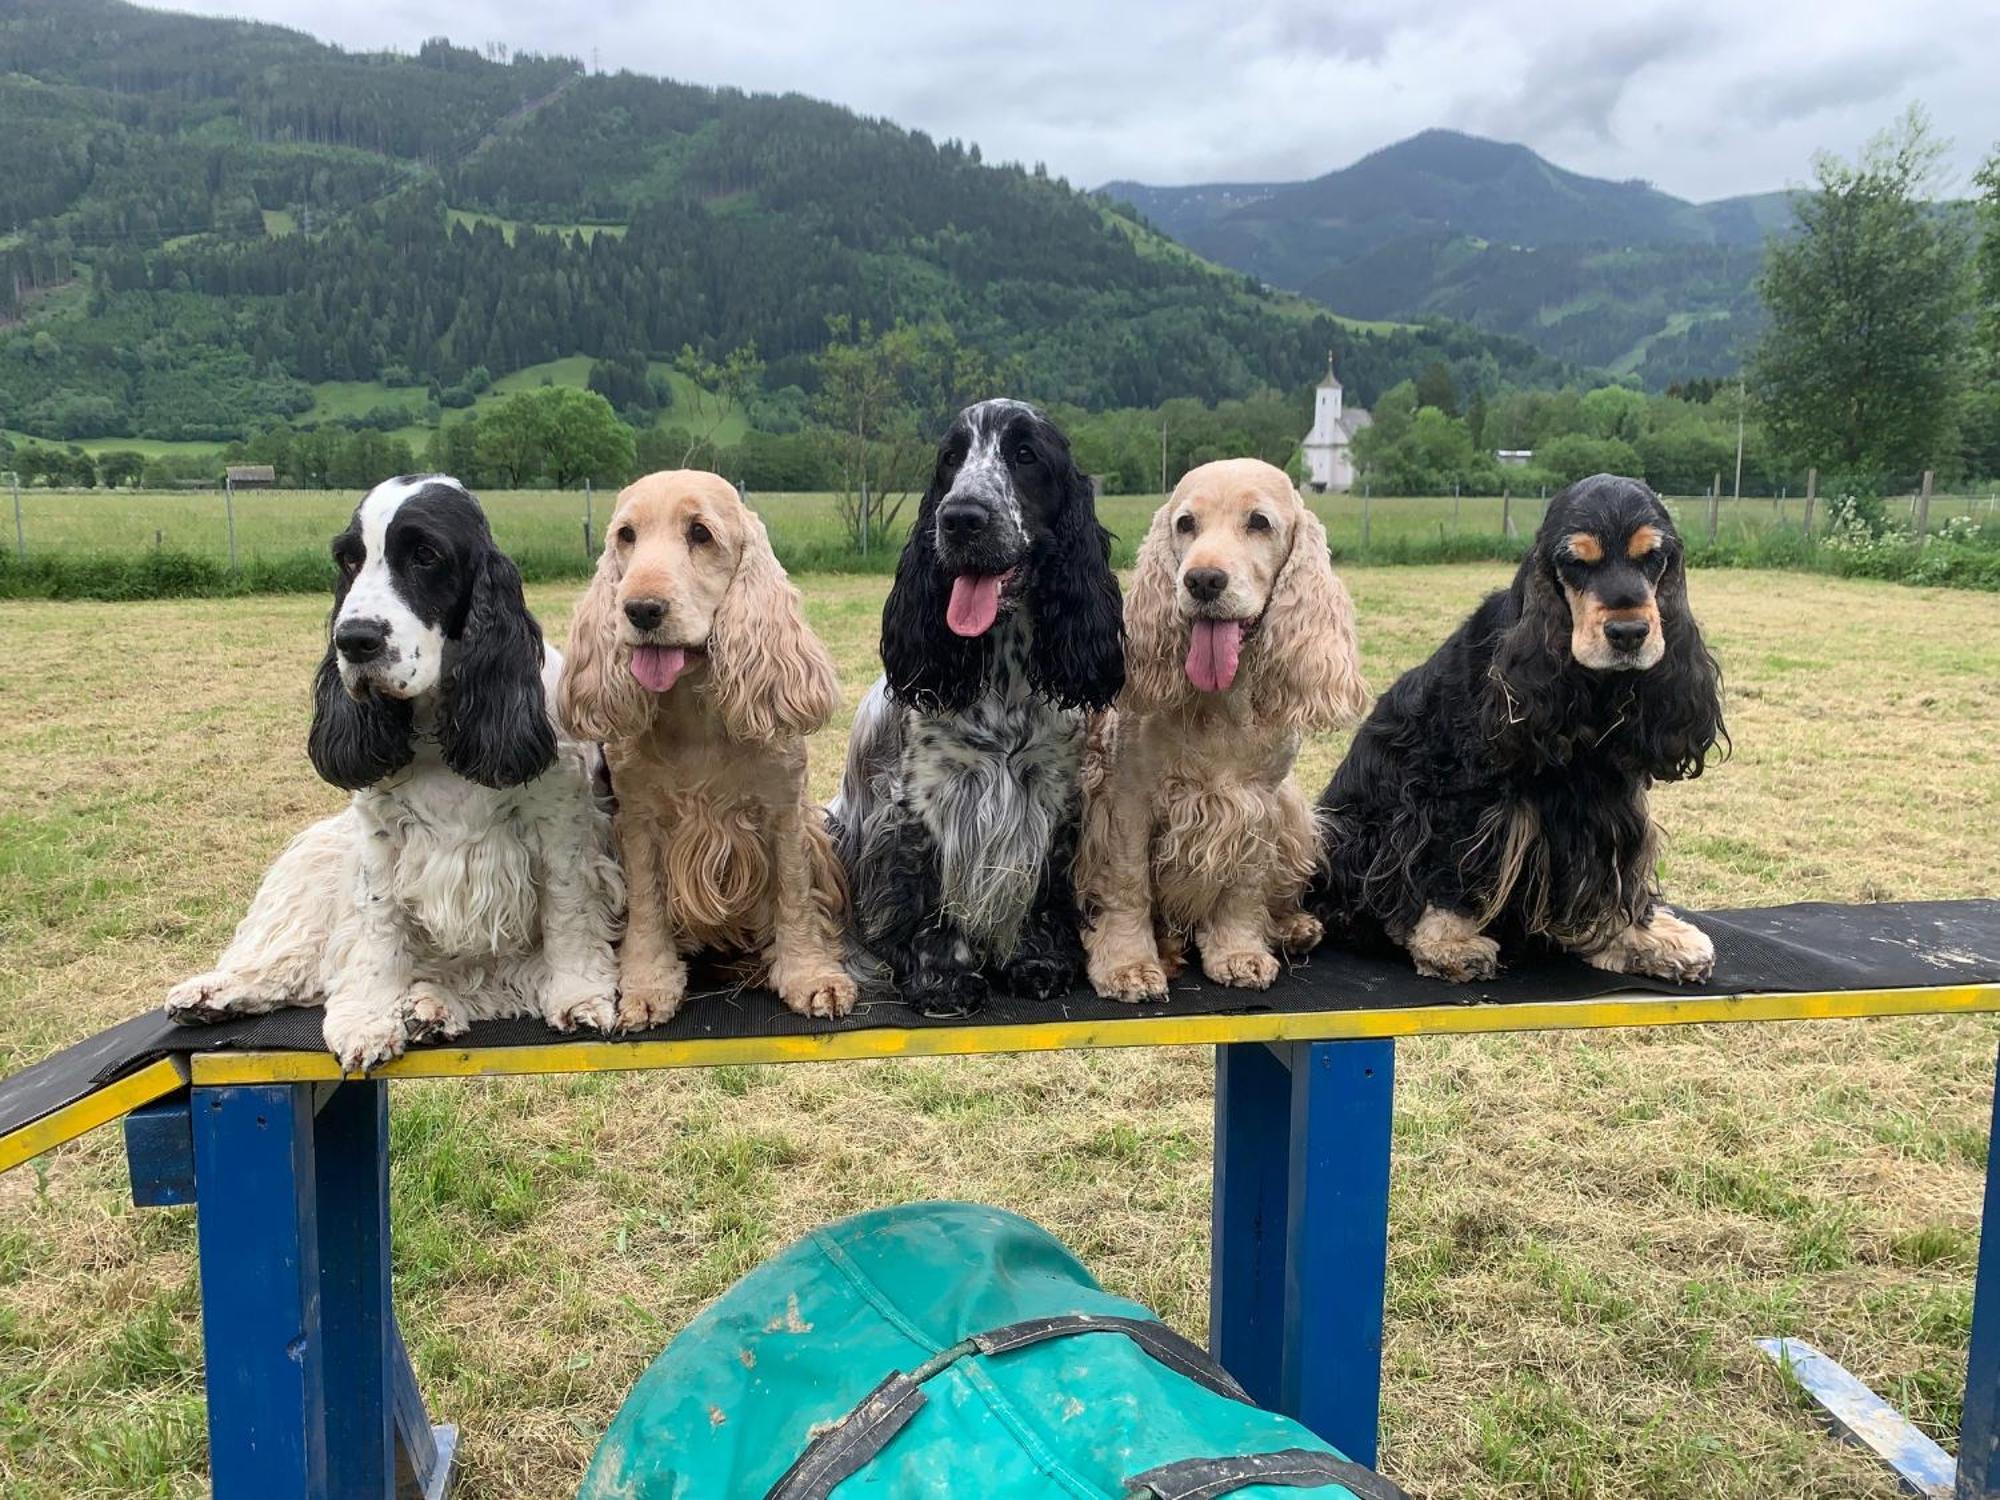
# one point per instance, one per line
(544, 523)
(1588, 1230)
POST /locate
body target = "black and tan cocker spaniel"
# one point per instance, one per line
(957, 816)
(1497, 793)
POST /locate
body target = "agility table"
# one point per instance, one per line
(310, 1392)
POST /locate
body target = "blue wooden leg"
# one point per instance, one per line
(1337, 1239)
(310, 1393)
(1301, 1230)
(1979, 1425)
(1246, 1284)
(260, 1292)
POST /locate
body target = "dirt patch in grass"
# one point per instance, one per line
(1588, 1230)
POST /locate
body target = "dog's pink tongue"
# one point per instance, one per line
(1212, 651)
(656, 667)
(975, 603)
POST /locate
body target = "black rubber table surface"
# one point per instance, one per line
(1812, 947)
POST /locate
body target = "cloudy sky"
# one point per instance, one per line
(1702, 97)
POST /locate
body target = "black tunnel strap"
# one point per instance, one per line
(851, 1443)
(1181, 1355)
(1288, 1468)
(846, 1447)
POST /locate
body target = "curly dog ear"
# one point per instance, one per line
(769, 676)
(1306, 673)
(1155, 643)
(924, 662)
(493, 719)
(598, 697)
(355, 742)
(1079, 650)
(1680, 713)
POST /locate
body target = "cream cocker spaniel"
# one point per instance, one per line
(690, 658)
(1239, 641)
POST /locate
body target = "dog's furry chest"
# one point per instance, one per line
(993, 786)
(464, 869)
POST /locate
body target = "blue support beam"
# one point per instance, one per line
(1300, 1232)
(159, 1153)
(351, 1170)
(1979, 1425)
(258, 1230)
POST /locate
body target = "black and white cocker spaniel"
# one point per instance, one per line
(1497, 793)
(471, 876)
(957, 817)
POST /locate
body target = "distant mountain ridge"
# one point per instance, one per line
(1615, 274)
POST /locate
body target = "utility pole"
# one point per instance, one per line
(20, 533)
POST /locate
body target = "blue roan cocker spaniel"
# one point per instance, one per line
(957, 817)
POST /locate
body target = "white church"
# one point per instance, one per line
(1328, 450)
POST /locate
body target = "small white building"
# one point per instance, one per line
(1328, 447)
(1513, 458)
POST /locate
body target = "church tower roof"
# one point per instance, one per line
(1332, 382)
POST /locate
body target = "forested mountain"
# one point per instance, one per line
(200, 219)
(1611, 274)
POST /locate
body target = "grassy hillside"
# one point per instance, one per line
(223, 225)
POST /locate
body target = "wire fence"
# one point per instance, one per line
(563, 530)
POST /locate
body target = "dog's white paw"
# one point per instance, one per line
(218, 996)
(1247, 968)
(582, 1006)
(826, 996)
(364, 1038)
(1446, 945)
(434, 1017)
(1666, 947)
(1298, 932)
(1142, 979)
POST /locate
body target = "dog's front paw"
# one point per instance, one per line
(217, 995)
(364, 1038)
(1039, 977)
(960, 992)
(1247, 968)
(826, 996)
(1664, 948)
(582, 1005)
(641, 1008)
(1142, 979)
(1298, 932)
(1461, 961)
(435, 1017)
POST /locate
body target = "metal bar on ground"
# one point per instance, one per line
(1979, 1424)
(1246, 1282)
(1337, 1239)
(258, 1233)
(1865, 1419)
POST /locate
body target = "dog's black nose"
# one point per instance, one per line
(1206, 584)
(1627, 635)
(361, 641)
(645, 614)
(962, 521)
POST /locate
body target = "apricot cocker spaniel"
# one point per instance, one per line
(1497, 794)
(690, 658)
(1240, 640)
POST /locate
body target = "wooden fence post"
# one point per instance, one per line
(1506, 510)
(229, 510)
(1715, 505)
(1924, 504)
(1812, 494)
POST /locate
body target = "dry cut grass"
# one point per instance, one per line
(1588, 1230)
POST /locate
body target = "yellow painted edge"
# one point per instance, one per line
(151, 1082)
(1140, 1031)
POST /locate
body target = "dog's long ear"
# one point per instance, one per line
(493, 717)
(1155, 642)
(924, 662)
(769, 676)
(355, 742)
(1535, 705)
(1079, 650)
(1680, 715)
(598, 698)
(1305, 672)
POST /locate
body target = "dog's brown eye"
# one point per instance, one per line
(627, 536)
(424, 555)
(1024, 454)
(1258, 521)
(1184, 524)
(698, 535)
